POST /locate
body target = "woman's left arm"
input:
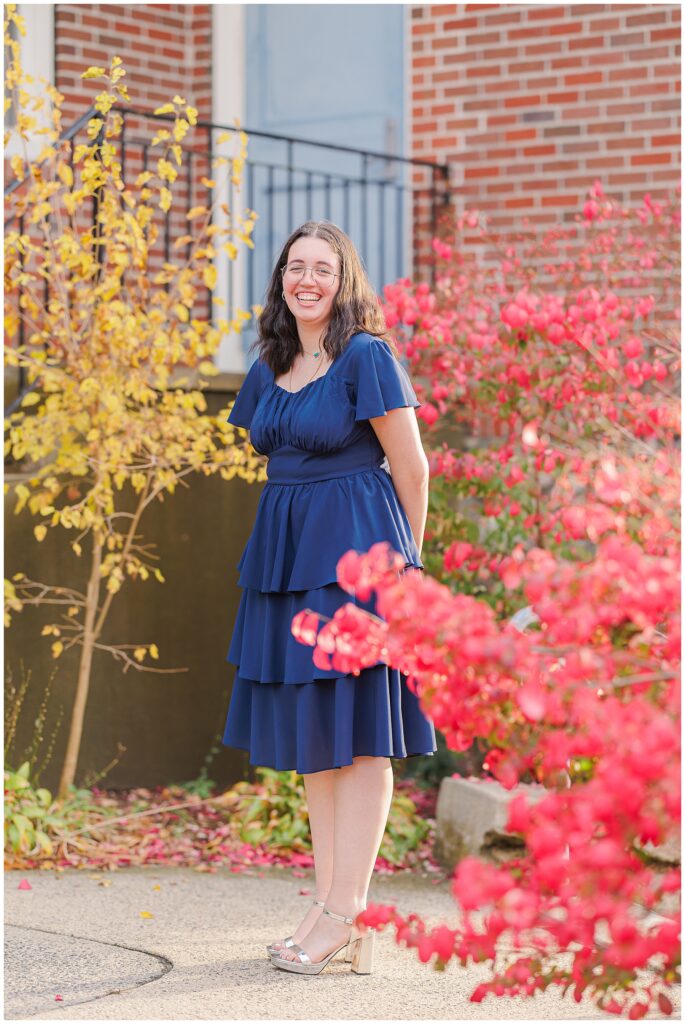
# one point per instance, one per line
(398, 433)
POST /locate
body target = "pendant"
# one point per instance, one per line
(316, 355)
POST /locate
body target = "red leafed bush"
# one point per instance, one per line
(570, 510)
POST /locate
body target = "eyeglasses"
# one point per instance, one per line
(321, 274)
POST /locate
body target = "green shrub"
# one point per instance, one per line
(27, 813)
(273, 811)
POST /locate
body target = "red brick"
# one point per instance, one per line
(539, 184)
(479, 39)
(584, 78)
(461, 124)
(637, 159)
(499, 188)
(624, 109)
(460, 23)
(502, 119)
(667, 71)
(604, 57)
(632, 142)
(481, 105)
(461, 90)
(91, 20)
(539, 83)
(627, 39)
(491, 171)
(601, 163)
(580, 113)
(623, 178)
(541, 49)
(666, 140)
(445, 42)
(568, 61)
(426, 126)
(651, 124)
(423, 28)
(530, 151)
(650, 18)
(649, 54)
(545, 13)
(660, 34)
(606, 127)
(520, 134)
(523, 101)
(443, 108)
(559, 200)
(559, 98)
(587, 43)
(525, 67)
(506, 17)
(606, 93)
(561, 166)
(482, 71)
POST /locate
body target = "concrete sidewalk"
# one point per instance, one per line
(200, 955)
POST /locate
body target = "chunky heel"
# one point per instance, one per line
(362, 958)
(358, 952)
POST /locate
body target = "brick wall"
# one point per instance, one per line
(529, 104)
(166, 49)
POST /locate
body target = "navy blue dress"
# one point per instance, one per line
(326, 492)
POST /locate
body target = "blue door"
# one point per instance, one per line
(328, 74)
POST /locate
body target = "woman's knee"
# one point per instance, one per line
(372, 761)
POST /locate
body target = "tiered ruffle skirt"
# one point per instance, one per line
(287, 713)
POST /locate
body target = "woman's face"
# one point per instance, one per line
(310, 298)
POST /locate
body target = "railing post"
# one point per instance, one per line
(97, 197)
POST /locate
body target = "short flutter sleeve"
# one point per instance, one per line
(381, 382)
(248, 396)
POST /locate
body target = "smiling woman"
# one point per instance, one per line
(324, 380)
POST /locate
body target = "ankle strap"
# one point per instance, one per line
(319, 903)
(339, 917)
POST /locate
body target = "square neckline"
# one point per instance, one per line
(304, 386)
(338, 359)
(309, 382)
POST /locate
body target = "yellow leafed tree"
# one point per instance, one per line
(101, 337)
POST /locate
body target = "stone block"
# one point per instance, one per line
(665, 853)
(471, 815)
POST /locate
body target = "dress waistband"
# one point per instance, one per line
(290, 465)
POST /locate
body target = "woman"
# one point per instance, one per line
(326, 400)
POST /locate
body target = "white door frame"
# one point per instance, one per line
(228, 107)
(37, 54)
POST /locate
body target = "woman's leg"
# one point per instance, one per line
(362, 793)
(319, 790)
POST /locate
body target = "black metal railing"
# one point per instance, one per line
(290, 181)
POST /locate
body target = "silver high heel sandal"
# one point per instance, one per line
(287, 943)
(361, 947)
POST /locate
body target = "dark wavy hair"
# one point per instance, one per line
(355, 306)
